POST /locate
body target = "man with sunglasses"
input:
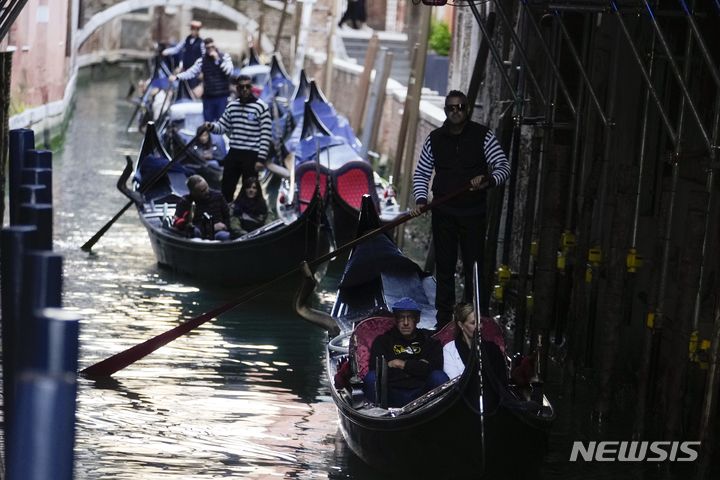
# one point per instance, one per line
(459, 152)
(216, 68)
(247, 123)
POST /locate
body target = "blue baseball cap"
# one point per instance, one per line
(407, 304)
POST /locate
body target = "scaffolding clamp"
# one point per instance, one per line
(561, 260)
(693, 346)
(633, 261)
(567, 240)
(595, 256)
(529, 302)
(498, 292)
(588, 273)
(650, 322)
(503, 274)
(704, 354)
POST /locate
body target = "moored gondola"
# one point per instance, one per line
(257, 256)
(440, 434)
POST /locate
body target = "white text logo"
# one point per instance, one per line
(627, 451)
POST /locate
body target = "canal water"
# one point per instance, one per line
(243, 396)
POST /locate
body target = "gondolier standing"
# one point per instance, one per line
(216, 68)
(192, 49)
(247, 123)
(460, 151)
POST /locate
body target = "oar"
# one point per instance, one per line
(87, 246)
(127, 357)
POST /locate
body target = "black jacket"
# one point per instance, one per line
(422, 354)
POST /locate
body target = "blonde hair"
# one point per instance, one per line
(462, 311)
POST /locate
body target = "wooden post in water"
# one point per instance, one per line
(417, 76)
(329, 50)
(364, 84)
(5, 72)
(377, 98)
(400, 145)
(280, 26)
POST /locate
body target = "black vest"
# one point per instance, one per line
(215, 82)
(459, 158)
(191, 52)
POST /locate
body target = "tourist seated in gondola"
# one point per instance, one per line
(457, 353)
(202, 213)
(414, 359)
(249, 210)
(205, 149)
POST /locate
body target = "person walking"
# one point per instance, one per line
(216, 68)
(246, 121)
(459, 152)
(191, 49)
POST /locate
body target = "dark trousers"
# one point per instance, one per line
(449, 233)
(238, 164)
(213, 107)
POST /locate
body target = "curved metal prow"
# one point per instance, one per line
(303, 87)
(253, 58)
(277, 69)
(316, 94)
(312, 125)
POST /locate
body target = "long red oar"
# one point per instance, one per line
(127, 357)
(87, 246)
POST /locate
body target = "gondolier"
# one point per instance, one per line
(246, 121)
(192, 49)
(216, 68)
(460, 151)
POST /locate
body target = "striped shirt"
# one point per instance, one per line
(497, 162)
(248, 125)
(224, 61)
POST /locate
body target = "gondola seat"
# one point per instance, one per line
(362, 339)
(306, 175)
(353, 180)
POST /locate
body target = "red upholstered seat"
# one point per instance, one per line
(352, 185)
(306, 187)
(446, 334)
(362, 339)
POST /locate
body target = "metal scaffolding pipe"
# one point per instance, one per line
(646, 76)
(493, 50)
(553, 65)
(580, 66)
(701, 43)
(678, 76)
(576, 136)
(643, 143)
(520, 50)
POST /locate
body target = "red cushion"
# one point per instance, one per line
(306, 187)
(363, 337)
(352, 185)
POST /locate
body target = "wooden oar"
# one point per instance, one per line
(127, 357)
(87, 246)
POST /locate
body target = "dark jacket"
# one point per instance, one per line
(216, 83)
(422, 355)
(214, 205)
(458, 158)
(192, 50)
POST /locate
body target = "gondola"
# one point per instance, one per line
(439, 434)
(332, 155)
(258, 256)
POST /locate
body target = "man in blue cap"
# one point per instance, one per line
(414, 359)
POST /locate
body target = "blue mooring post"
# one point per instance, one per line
(38, 159)
(14, 242)
(21, 139)
(33, 194)
(39, 176)
(41, 445)
(41, 288)
(39, 215)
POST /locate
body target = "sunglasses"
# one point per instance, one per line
(460, 107)
(244, 87)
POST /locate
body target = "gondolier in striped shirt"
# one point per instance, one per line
(216, 68)
(246, 121)
(460, 151)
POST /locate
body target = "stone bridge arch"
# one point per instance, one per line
(123, 7)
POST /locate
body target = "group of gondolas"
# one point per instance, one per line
(325, 195)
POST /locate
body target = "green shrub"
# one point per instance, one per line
(440, 37)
